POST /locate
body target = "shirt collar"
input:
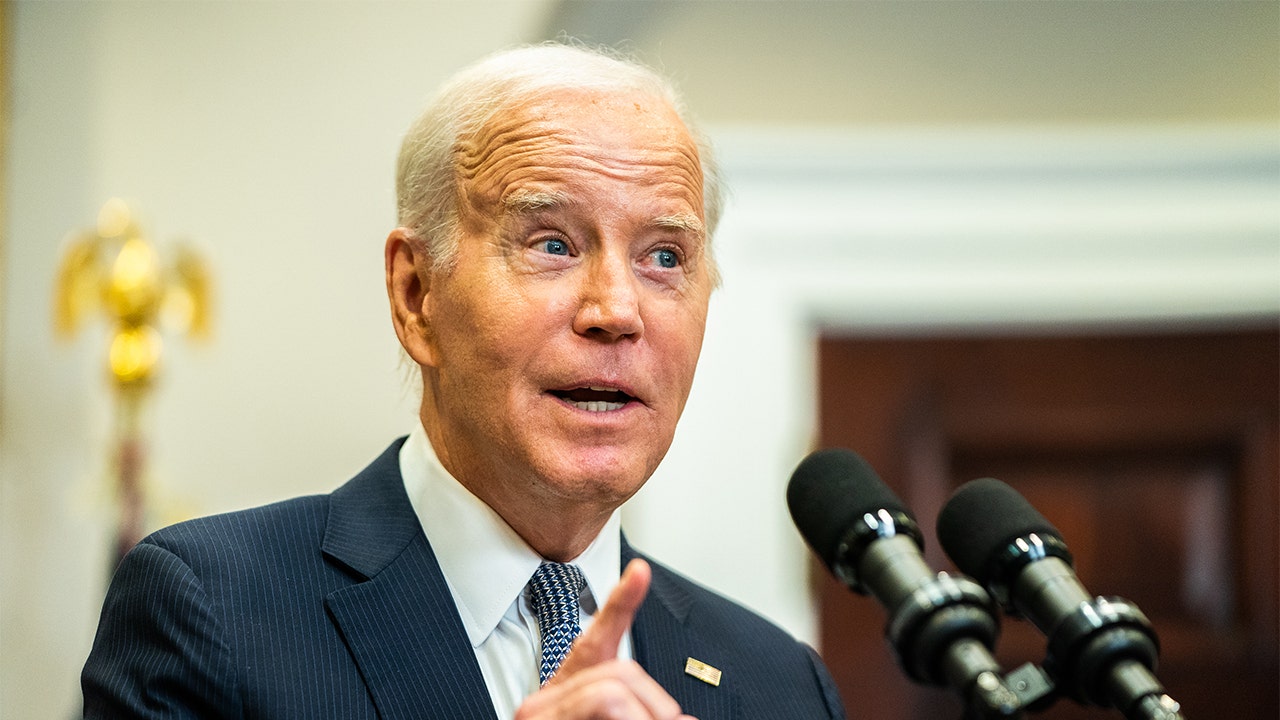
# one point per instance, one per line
(485, 563)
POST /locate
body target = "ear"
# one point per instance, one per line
(408, 283)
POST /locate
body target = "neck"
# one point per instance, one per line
(557, 540)
(558, 526)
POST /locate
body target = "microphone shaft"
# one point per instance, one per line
(1046, 591)
(893, 569)
(1136, 693)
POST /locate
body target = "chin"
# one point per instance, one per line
(612, 477)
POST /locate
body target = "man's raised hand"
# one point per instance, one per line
(592, 683)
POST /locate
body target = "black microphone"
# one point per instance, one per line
(1102, 651)
(942, 627)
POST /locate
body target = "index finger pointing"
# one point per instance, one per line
(600, 641)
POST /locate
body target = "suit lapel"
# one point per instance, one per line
(399, 620)
(401, 626)
(662, 644)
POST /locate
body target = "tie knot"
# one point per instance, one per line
(555, 589)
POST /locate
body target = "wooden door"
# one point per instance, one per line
(1154, 454)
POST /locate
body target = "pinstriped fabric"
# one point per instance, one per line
(193, 674)
(270, 613)
(335, 607)
(403, 629)
(767, 675)
(233, 612)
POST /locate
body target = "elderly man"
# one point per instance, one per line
(550, 278)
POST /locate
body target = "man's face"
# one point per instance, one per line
(563, 340)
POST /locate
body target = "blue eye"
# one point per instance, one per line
(666, 258)
(555, 247)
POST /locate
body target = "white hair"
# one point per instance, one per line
(427, 174)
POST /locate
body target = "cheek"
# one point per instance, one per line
(493, 333)
(680, 346)
(460, 327)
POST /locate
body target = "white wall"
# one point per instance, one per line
(267, 132)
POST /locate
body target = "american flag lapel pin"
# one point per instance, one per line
(702, 671)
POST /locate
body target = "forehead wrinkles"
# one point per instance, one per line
(503, 139)
(529, 144)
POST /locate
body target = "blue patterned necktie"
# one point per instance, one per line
(556, 587)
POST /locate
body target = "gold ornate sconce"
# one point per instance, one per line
(114, 271)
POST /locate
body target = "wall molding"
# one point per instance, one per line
(1010, 225)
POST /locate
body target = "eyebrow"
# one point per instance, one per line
(524, 202)
(685, 222)
(530, 201)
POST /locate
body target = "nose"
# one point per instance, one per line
(609, 305)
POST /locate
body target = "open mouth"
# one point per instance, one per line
(594, 399)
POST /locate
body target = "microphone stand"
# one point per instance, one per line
(1134, 691)
(1105, 651)
(1102, 651)
(950, 611)
(942, 628)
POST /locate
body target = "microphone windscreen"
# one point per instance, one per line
(981, 519)
(829, 491)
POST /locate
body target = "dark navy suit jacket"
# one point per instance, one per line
(333, 606)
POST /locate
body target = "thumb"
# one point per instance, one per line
(599, 643)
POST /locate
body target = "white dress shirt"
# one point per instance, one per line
(487, 567)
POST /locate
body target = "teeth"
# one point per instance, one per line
(597, 406)
(602, 389)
